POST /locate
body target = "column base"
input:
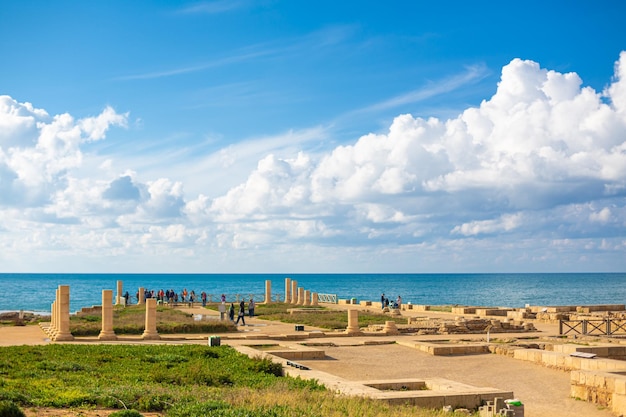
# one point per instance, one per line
(107, 336)
(63, 337)
(150, 336)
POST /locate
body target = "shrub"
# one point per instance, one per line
(126, 413)
(266, 365)
(9, 409)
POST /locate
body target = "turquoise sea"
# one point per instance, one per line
(35, 292)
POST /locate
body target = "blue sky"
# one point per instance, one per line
(288, 136)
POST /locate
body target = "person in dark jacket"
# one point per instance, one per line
(242, 313)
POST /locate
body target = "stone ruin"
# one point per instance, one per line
(59, 327)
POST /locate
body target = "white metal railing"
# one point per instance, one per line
(327, 298)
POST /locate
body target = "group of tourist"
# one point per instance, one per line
(170, 296)
(385, 303)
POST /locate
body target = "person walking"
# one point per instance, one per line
(242, 314)
(231, 312)
(251, 307)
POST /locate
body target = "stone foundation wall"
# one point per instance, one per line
(603, 388)
(600, 381)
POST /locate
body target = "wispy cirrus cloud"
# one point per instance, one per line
(316, 40)
(215, 7)
(471, 75)
(233, 59)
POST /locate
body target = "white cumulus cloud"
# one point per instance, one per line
(539, 167)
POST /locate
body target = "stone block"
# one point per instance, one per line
(521, 354)
(610, 383)
(579, 391)
(441, 350)
(471, 401)
(599, 381)
(582, 377)
(618, 404)
(549, 358)
(585, 364)
(616, 351)
(486, 411)
(620, 385)
(602, 351)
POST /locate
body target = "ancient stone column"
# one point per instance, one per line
(53, 309)
(107, 332)
(287, 290)
(268, 291)
(142, 296)
(118, 299)
(307, 297)
(353, 323)
(150, 332)
(300, 296)
(55, 315)
(315, 300)
(64, 315)
(390, 327)
(294, 291)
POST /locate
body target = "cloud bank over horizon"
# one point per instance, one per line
(533, 178)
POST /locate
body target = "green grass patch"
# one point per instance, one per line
(443, 309)
(320, 317)
(176, 381)
(132, 320)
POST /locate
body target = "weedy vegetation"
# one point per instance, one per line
(321, 317)
(132, 320)
(175, 381)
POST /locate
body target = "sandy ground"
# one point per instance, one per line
(544, 392)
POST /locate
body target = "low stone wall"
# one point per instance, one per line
(463, 310)
(617, 352)
(603, 307)
(498, 312)
(552, 309)
(90, 310)
(448, 349)
(600, 381)
(521, 315)
(607, 389)
(566, 362)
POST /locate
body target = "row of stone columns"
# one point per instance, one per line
(107, 332)
(298, 295)
(59, 329)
